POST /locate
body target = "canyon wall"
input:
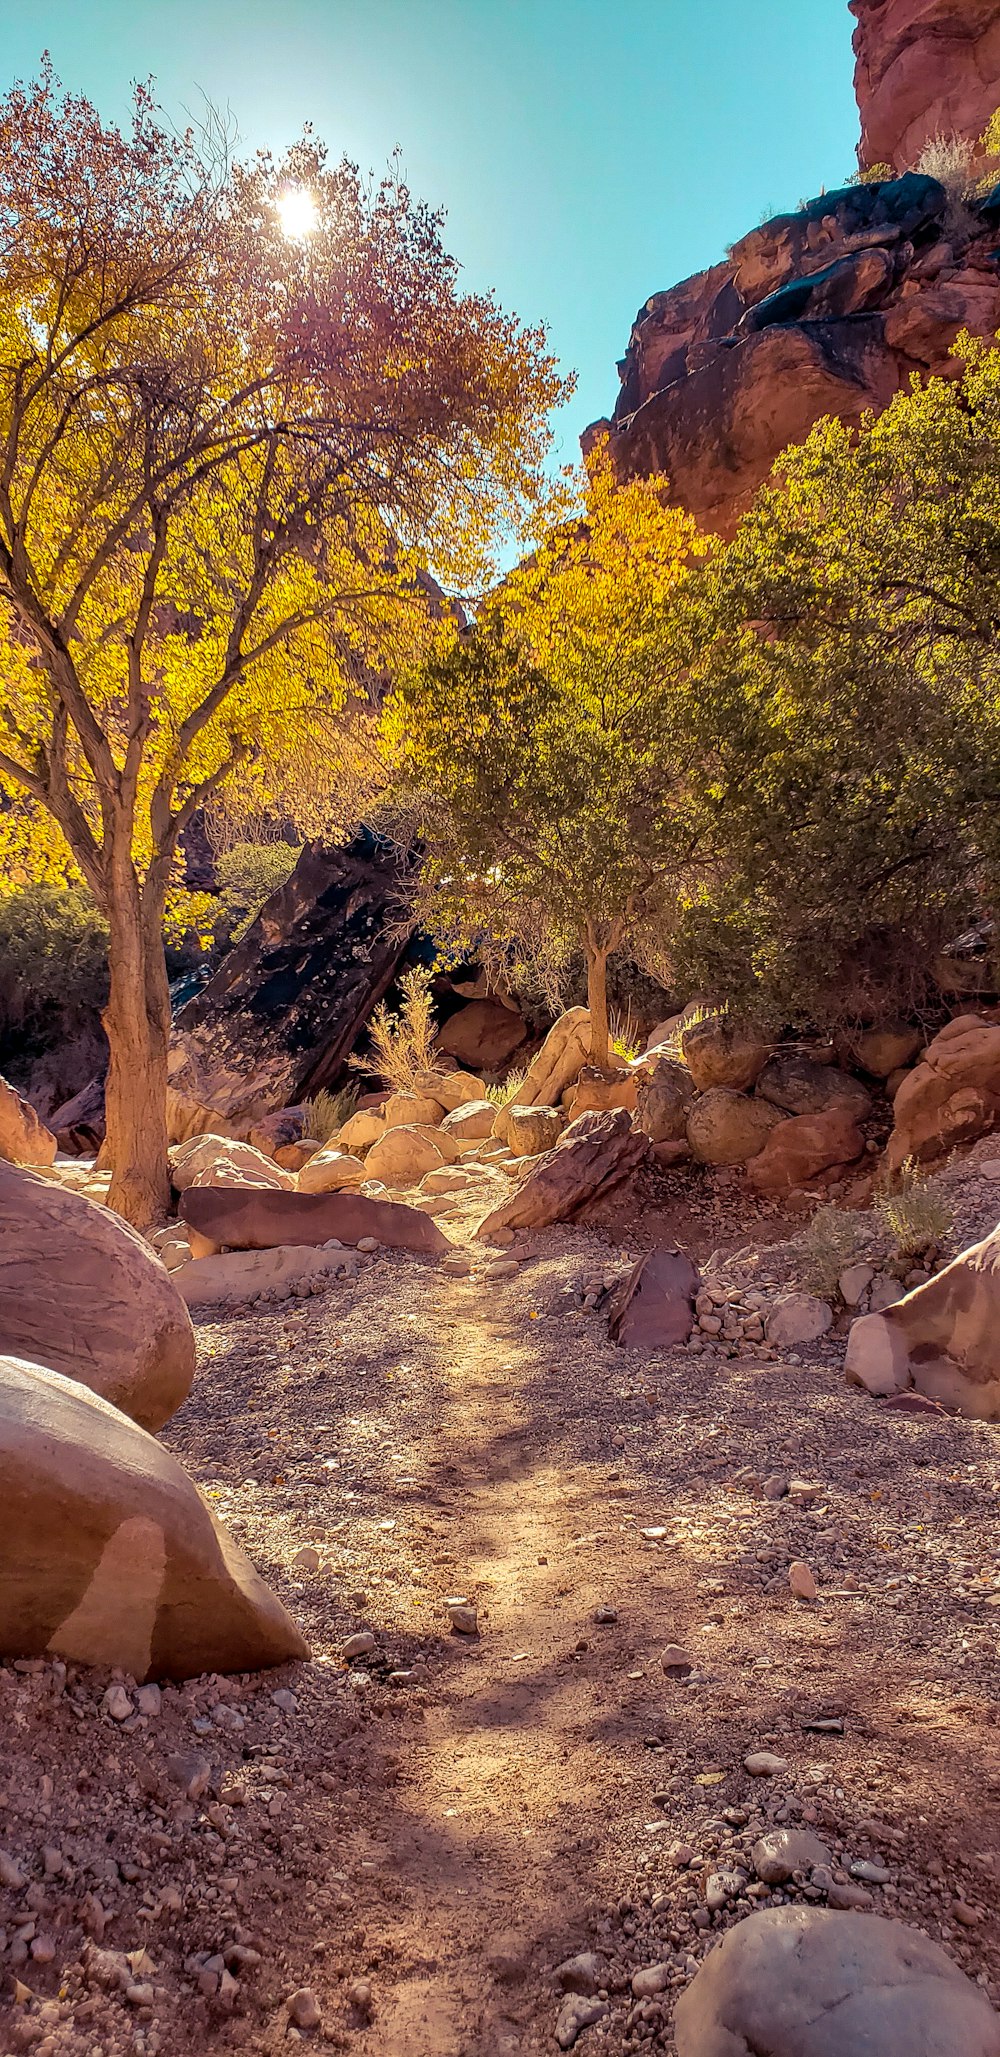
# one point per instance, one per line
(924, 68)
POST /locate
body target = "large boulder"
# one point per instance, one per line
(530, 1131)
(281, 1131)
(809, 1982)
(881, 1051)
(950, 1097)
(402, 1156)
(82, 1292)
(663, 1101)
(557, 1063)
(242, 1275)
(450, 1088)
(23, 1138)
(725, 1127)
(108, 1553)
(471, 1123)
(330, 1170)
(805, 1147)
(653, 1308)
(596, 1089)
(718, 1052)
(592, 1157)
(228, 1219)
(362, 1130)
(940, 1338)
(222, 1161)
(483, 1036)
(412, 1110)
(797, 1084)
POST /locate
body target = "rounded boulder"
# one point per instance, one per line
(726, 1127)
(719, 1053)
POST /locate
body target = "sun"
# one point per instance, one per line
(297, 212)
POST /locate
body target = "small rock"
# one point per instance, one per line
(457, 1265)
(306, 1559)
(360, 1997)
(11, 1874)
(854, 1283)
(872, 1874)
(581, 1974)
(848, 1899)
(574, 2016)
(775, 1487)
(185, 1768)
(359, 1645)
(801, 1581)
(606, 1616)
(962, 1912)
(117, 1704)
(680, 1855)
(149, 1700)
(368, 1244)
(721, 1886)
(653, 1979)
(763, 1764)
(303, 2008)
(784, 1851)
(464, 1618)
(501, 1268)
(285, 1700)
(674, 1658)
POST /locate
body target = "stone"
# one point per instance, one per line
(652, 1979)
(557, 1064)
(885, 1292)
(922, 71)
(108, 1553)
(676, 1659)
(456, 1264)
(483, 1036)
(471, 1123)
(412, 1110)
(330, 1171)
(403, 1156)
(281, 1131)
(303, 2009)
(663, 1101)
(576, 2014)
(804, 1982)
(362, 1130)
(727, 1127)
(591, 1158)
(804, 1148)
(81, 1292)
(718, 1052)
(798, 1084)
(463, 1616)
(530, 1131)
(148, 1701)
(222, 1161)
(584, 1973)
(940, 1338)
(854, 1282)
(598, 1089)
(801, 1581)
(234, 1220)
(359, 1645)
(779, 1854)
(798, 1318)
(117, 1704)
(450, 1089)
(238, 1276)
(23, 1138)
(950, 1097)
(764, 1764)
(653, 1308)
(881, 1051)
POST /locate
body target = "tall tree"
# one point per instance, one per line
(550, 752)
(227, 455)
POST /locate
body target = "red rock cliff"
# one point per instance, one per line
(924, 67)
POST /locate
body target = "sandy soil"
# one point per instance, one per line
(418, 1837)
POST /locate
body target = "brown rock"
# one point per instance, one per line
(330, 1170)
(592, 1157)
(717, 1053)
(596, 1090)
(557, 1063)
(81, 1291)
(483, 1036)
(924, 68)
(803, 1148)
(292, 1156)
(275, 1132)
(402, 1156)
(881, 1051)
(795, 1082)
(950, 1097)
(663, 1101)
(726, 1127)
(222, 1161)
(653, 1307)
(471, 1123)
(939, 1338)
(412, 1110)
(23, 1138)
(530, 1131)
(361, 1131)
(109, 1555)
(229, 1219)
(450, 1088)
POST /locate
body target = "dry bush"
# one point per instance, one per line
(402, 1045)
(834, 1239)
(502, 1094)
(325, 1113)
(917, 1212)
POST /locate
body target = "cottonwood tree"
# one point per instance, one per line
(550, 754)
(226, 457)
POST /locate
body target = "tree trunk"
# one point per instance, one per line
(597, 1001)
(137, 1021)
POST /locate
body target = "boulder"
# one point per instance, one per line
(292, 1156)
(797, 1084)
(275, 1132)
(718, 1052)
(530, 1131)
(231, 1220)
(222, 1161)
(361, 1130)
(782, 1852)
(450, 1088)
(108, 1553)
(726, 1127)
(591, 1157)
(482, 1036)
(653, 1308)
(23, 1138)
(412, 1110)
(82, 1292)
(952, 1095)
(242, 1275)
(808, 1982)
(663, 1101)
(557, 1063)
(471, 1123)
(79, 1124)
(401, 1156)
(330, 1170)
(939, 1338)
(805, 1147)
(881, 1051)
(598, 1089)
(798, 1318)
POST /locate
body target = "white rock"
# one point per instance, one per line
(116, 1702)
(854, 1283)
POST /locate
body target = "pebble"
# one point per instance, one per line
(784, 1851)
(606, 1616)
(359, 1996)
(149, 1700)
(501, 1267)
(117, 1704)
(368, 1244)
(464, 1618)
(674, 1658)
(763, 1764)
(653, 1979)
(303, 2008)
(581, 1974)
(574, 2016)
(801, 1581)
(11, 1874)
(457, 1265)
(285, 1700)
(360, 1645)
(962, 1912)
(185, 1768)
(306, 1559)
(872, 1874)
(848, 1898)
(775, 1487)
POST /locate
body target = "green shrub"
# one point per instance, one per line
(502, 1094)
(248, 874)
(53, 966)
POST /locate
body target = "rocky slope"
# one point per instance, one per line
(924, 67)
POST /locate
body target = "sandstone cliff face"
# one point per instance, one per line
(924, 67)
(827, 311)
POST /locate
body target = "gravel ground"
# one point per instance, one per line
(414, 1837)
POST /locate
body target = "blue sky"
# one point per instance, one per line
(588, 152)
